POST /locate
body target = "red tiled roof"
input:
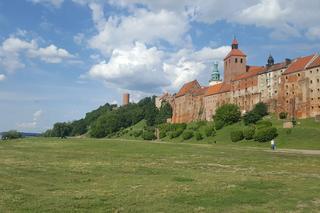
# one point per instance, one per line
(200, 91)
(235, 52)
(251, 71)
(299, 64)
(213, 89)
(218, 88)
(315, 63)
(187, 87)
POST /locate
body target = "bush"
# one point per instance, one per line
(236, 135)
(162, 134)
(261, 109)
(148, 135)
(251, 117)
(187, 135)
(265, 134)
(283, 115)
(175, 134)
(196, 125)
(209, 131)
(218, 124)
(228, 114)
(198, 136)
(248, 132)
(137, 133)
(13, 134)
(263, 124)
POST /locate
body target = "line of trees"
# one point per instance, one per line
(109, 119)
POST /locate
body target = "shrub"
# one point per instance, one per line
(175, 134)
(236, 135)
(137, 133)
(261, 109)
(13, 134)
(162, 134)
(187, 135)
(263, 124)
(198, 136)
(251, 117)
(218, 124)
(265, 134)
(196, 125)
(209, 131)
(283, 115)
(248, 132)
(228, 114)
(148, 135)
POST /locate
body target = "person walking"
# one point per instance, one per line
(273, 144)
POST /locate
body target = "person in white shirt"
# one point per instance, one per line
(273, 144)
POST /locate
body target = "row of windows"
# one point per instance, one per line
(318, 81)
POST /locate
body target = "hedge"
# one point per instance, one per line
(265, 134)
(187, 135)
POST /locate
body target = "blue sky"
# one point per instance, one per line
(62, 58)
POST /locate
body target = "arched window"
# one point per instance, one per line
(236, 60)
(241, 60)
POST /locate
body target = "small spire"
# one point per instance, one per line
(235, 43)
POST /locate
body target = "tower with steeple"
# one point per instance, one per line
(270, 61)
(215, 75)
(235, 63)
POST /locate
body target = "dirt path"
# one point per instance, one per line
(289, 151)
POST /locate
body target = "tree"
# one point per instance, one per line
(12, 134)
(78, 127)
(261, 109)
(228, 114)
(251, 117)
(164, 113)
(61, 130)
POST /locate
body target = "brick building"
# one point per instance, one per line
(291, 86)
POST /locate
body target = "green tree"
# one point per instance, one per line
(261, 109)
(12, 134)
(228, 114)
(251, 117)
(164, 113)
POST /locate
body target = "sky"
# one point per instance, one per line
(62, 58)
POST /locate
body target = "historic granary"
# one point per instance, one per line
(292, 86)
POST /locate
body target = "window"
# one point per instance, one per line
(292, 93)
(310, 81)
(286, 77)
(312, 107)
(236, 60)
(318, 80)
(299, 74)
(312, 90)
(241, 60)
(311, 71)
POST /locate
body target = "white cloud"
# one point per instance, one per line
(138, 68)
(150, 69)
(50, 54)
(2, 77)
(33, 124)
(13, 49)
(314, 32)
(55, 3)
(143, 26)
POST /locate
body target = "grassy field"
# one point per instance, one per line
(305, 135)
(52, 175)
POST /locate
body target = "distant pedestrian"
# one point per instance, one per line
(273, 144)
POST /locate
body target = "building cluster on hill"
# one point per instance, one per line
(292, 86)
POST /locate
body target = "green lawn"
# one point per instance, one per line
(52, 175)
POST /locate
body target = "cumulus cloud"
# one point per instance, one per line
(13, 49)
(150, 69)
(32, 124)
(144, 26)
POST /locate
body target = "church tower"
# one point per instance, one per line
(235, 63)
(215, 75)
